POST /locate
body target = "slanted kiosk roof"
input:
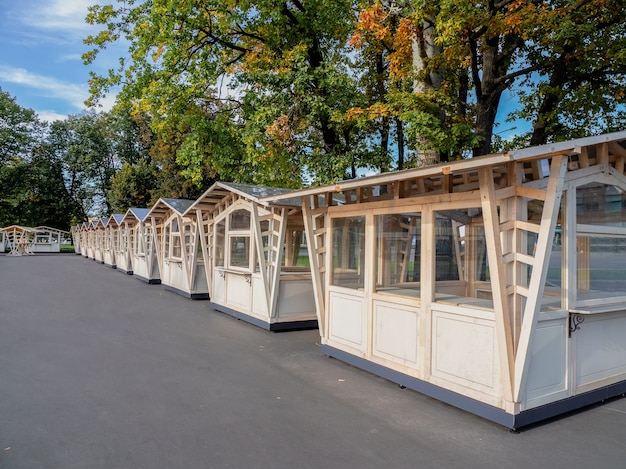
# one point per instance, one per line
(138, 213)
(220, 190)
(457, 176)
(162, 206)
(117, 217)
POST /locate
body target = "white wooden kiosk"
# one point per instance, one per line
(111, 239)
(496, 284)
(123, 244)
(76, 237)
(255, 256)
(87, 239)
(141, 241)
(19, 240)
(47, 239)
(99, 231)
(179, 252)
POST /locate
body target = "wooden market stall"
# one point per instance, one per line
(86, 230)
(99, 232)
(76, 237)
(496, 284)
(255, 256)
(111, 239)
(123, 244)
(48, 239)
(19, 240)
(141, 243)
(179, 252)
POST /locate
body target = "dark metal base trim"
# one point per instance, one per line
(191, 296)
(274, 327)
(486, 411)
(150, 281)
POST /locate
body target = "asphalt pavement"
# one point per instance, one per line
(100, 370)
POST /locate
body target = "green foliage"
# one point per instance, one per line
(19, 129)
(132, 186)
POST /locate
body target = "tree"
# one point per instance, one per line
(565, 59)
(85, 145)
(31, 181)
(20, 129)
(288, 74)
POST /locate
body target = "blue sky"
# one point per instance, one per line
(41, 43)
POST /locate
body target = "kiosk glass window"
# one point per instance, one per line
(240, 220)
(600, 243)
(175, 240)
(220, 236)
(461, 264)
(398, 253)
(348, 266)
(240, 251)
(239, 239)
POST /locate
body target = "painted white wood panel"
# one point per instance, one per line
(464, 351)
(218, 295)
(547, 374)
(259, 299)
(600, 348)
(396, 333)
(140, 267)
(295, 297)
(41, 247)
(200, 284)
(348, 324)
(176, 275)
(238, 292)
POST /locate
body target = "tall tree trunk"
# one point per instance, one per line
(558, 78)
(488, 93)
(424, 47)
(400, 138)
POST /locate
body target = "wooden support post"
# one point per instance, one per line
(276, 260)
(498, 280)
(427, 288)
(312, 246)
(183, 249)
(263, 263)
(540, 270)
(206, 254)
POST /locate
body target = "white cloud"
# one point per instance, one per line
(66, 15)
(50, 116)
(72, 93)
(70, 58)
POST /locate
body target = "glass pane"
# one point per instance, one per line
(599, 204)
(176, 246)
(398, 253)
(240, 251)
(220, 231)
(601, 252)
(601, 273)
(240, 220)
(348, 252)
(461, 266)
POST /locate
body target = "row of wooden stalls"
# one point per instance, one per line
(496, 284)
(245, 253)
(24, 240)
